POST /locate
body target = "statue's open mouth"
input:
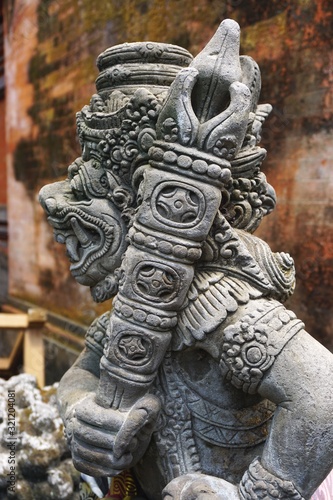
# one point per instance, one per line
(77, 238)
(87, 238)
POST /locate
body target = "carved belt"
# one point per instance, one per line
(226, 427)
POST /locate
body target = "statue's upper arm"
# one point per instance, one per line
(301, 375)
(252, 344)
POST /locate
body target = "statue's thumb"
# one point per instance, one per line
(140, 419)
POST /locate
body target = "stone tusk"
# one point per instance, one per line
(81, 234)
(72, 250)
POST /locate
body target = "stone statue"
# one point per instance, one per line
(199, 379)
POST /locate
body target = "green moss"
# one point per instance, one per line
(26, 165)
(25, 424)
(39, 68)
(48, 24)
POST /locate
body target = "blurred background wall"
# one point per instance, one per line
(3, 176)
(50, 47)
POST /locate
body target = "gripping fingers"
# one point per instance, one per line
(138, 424)
(90, 412)
(92, 469)
(105, 440)
(92, 435)
(128, 432)
(87, 457)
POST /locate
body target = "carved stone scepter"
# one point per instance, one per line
(181, 194)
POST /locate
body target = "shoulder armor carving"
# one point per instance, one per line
(211, 298)
(252, 344)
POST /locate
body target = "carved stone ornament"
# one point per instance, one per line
(198, 369)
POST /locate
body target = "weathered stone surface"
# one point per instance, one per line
(43, 469)
(199, 368)
(23, 491)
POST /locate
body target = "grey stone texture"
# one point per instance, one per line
(32, 444)
(199, 378)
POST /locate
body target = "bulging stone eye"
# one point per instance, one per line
(76, 185)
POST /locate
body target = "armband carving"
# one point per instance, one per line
(252, 343)
(258, 483)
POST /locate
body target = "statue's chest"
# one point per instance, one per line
(205, 421)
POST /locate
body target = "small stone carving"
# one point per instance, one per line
(199, 368)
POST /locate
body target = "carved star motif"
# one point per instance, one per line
(132, 347)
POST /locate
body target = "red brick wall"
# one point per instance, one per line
(50, 75)
(293, 44)
(3, 176)
(51, 46)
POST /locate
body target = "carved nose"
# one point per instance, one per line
(50, 205)
(53, 196)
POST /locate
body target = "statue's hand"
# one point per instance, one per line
(106, 441)
(200, 487)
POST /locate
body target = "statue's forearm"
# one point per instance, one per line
(81, 379)
(299, 447)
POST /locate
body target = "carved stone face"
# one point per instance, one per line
(90, 227)
(89, 212)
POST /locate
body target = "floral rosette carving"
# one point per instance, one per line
(245, 355)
